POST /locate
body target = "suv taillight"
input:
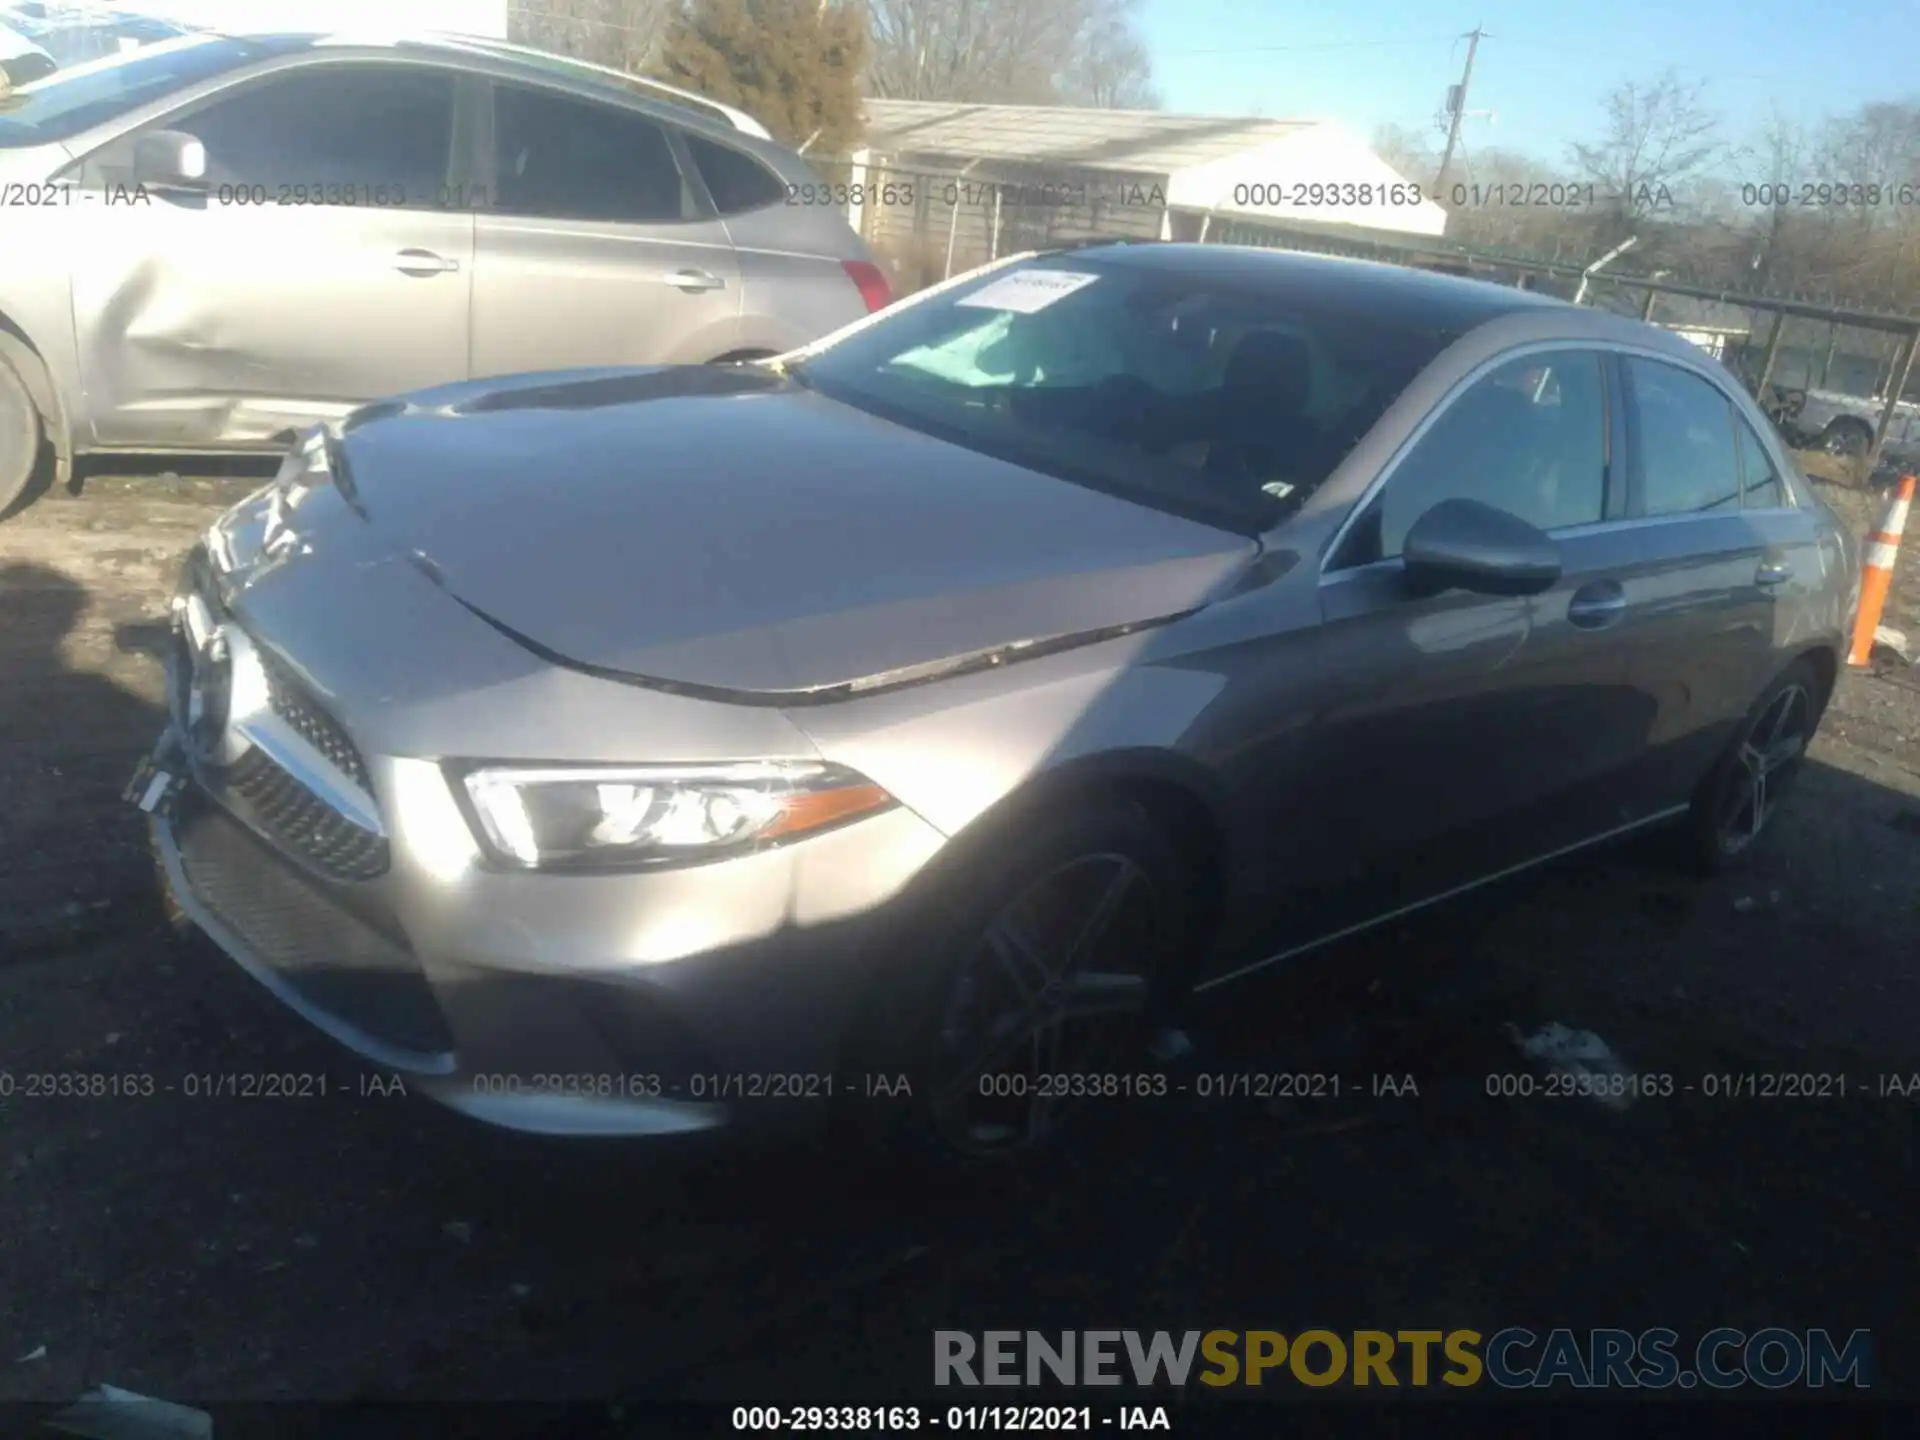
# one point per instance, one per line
(873, 285)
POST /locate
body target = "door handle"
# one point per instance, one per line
(1596, 606)
(424, 262)
(693, 281)
(1773, 572)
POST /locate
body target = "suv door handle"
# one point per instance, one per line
(693, 281)
(1596, 606)
(424, 262)
(1773, 572)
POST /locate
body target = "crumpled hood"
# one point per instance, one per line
(721, 529)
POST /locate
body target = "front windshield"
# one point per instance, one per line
(1226, 404)
(69, 102)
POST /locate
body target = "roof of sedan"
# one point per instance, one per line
(1362, 287)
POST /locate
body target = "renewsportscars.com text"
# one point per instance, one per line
(1512, 1359)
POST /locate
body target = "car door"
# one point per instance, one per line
(1460, 734)
(794, 279)
(598, 248)
(1705, 567)
(318, 268)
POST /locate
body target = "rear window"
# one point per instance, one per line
(737, 182)
(1228, 404)
(70, 102)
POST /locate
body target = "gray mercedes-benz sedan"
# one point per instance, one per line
(902, 729)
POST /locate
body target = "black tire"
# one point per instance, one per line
(20, 437)
(905, 1028)
(1848, 439)
(1720, 831)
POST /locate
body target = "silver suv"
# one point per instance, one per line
(215, 241)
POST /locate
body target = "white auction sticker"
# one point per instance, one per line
(1026, 291)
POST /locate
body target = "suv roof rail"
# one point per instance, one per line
(653, 89)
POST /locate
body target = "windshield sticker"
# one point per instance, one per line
(1026, 291)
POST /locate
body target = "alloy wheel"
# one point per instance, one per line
(1044, 1003)
(1763, 767)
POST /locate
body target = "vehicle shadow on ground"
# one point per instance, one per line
(69, 740)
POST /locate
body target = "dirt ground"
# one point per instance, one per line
(211, 1250)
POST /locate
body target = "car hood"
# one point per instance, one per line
(721, 529)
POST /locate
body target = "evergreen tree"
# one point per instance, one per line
(794, 65)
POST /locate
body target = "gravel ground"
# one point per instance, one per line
(368, 1245)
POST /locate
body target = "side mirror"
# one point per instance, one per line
(170, 160)
(1464, 545)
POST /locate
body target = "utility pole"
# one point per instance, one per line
(1457, 105)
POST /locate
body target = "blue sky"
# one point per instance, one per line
(1544, 69)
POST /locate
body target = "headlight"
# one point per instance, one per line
(620, 817)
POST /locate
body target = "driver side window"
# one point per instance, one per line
(1529, 439)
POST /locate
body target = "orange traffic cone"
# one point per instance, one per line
(1876, 578)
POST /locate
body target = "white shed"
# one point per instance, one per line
(1052, 174)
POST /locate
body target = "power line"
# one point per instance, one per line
(1582, 55)
(1326, 45)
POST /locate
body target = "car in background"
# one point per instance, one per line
(22, 61)
(1845, 425)
(901, 728)
(220, 240)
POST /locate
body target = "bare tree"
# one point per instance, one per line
(625, 34)
(1659, 135)
(1771, 168)
(1111, 68)
(1413, 152)
(1007, 51)
(1860, 193)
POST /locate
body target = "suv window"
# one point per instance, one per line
(330, 134)
(1530, 439)
(567, 159)
(1762, 487)
(738, 183)
(1683, 428)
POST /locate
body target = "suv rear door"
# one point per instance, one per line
(596, 244)
(793, 253)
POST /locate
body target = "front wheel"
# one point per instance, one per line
(1740, 796)
(1023, 1003)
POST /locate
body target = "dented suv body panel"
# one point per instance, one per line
(322, 263)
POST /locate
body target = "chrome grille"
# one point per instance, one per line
(319, 729)
(299, 821)
(263, 793)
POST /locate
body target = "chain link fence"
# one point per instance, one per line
(926, 223)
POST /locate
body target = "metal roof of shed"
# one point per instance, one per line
(1138, 141)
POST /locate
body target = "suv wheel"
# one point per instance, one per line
(1848, 439)
(20, 437)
